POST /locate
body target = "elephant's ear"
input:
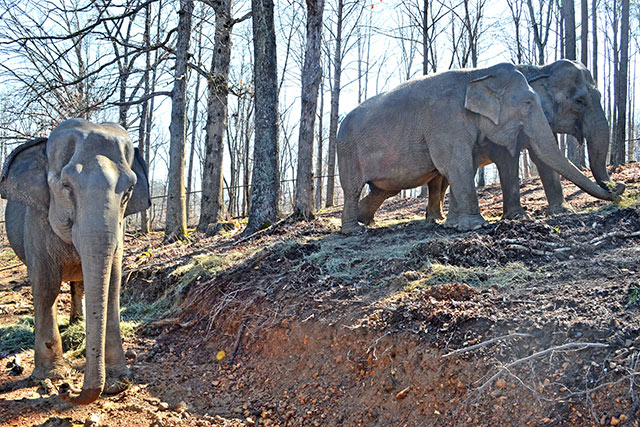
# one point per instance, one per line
(24, 175)
(140, 199)
(482, 99)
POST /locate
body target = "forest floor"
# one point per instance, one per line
(523, 323)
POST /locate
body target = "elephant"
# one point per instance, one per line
(434, 127)
(67, 197)
(571, 104)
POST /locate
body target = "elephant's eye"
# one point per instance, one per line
(67, 189)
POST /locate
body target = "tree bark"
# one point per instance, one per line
(620, 88)
(176, 222)
(266, 181)
(320, 149)
(211, 202)
(145, 116)
(575, 150)
(584, 33)
(594, 38)
(333, 117)
(311, 76)
(194, 133)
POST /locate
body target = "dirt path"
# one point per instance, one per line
(524, 323)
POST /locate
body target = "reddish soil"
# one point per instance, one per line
(523, 323)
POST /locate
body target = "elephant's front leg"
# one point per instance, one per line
(45, 285)
(437, 188)
(508, 169)
(461, 176)
(552, 187)
(117, 373)
(368, 206)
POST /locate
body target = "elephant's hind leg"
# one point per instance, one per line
(437, 189)
(77, 292)
(368, 206)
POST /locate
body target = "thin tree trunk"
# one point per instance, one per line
(194, 127)
(584, 33)
(211, 202)
(266, 182)
(311, 76)
(320, 148)
(176, 225)
(333, 118)
(145, 116)
(594, 37)
(620, 88)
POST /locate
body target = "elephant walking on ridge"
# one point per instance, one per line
(68, 196)
(571, 104)
(435, 126)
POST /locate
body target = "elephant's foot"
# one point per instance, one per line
(466, 222)
(117, 380)
(516, 214)
(435, 217)
(353, 230)
(365, 218)
(560, 209)
(56, 369)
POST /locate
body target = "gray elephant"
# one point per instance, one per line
(435, 126)
(68, 196)
(571, 103)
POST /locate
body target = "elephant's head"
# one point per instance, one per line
(571, 103)
(86, 178)
(510, 113)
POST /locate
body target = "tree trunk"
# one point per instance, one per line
(584, 33)
(320, 148)
(620, 89)
(594, 37)
(311, 76)
(176, 225)
(145, 116)
(333, 118)
(194, 133)
(266, 182)
(211, 203)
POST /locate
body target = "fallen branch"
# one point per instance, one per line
(485, 343)
(236, 346)
(520, 245)
(582, 346)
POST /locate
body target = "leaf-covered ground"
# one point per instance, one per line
(523, 323)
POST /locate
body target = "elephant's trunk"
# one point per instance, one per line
(596, 131)
(96, 252)
(544, 145)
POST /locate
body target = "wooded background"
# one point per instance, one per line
(236, 104)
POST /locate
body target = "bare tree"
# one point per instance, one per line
(575, 149)
(311, 77)
(266, 182)
(584, 32)
(176, 222)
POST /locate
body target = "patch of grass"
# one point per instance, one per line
(511, 274)
(351, 258)
(17, 337)
(73, 338)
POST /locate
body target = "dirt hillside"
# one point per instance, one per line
(523, 323)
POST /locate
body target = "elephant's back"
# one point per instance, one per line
(14, 216)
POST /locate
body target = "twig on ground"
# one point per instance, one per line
(556, 248)
(236, 345)
(485, 343)
(580, 345)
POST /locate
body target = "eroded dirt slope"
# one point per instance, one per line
(523, 323)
